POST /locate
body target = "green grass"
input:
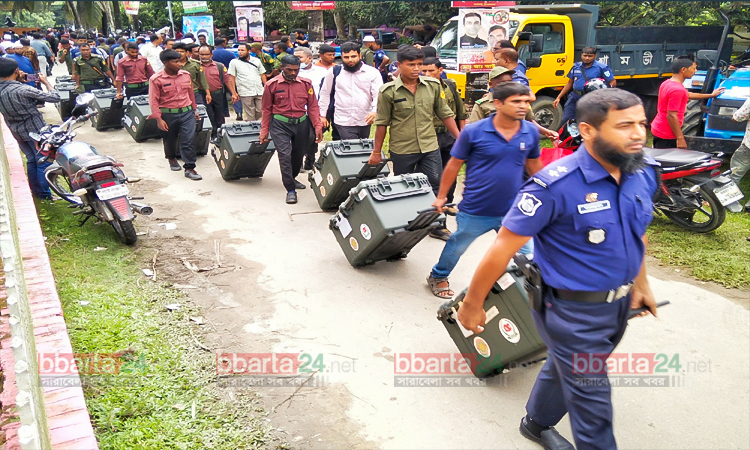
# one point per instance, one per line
(170, 399)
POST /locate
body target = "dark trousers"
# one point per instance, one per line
(569, 110)
(664, 143)
(427, 163)
(353, 132)
(215, 111)
(579, 337)
(446, 141)
(92, 87)
(180, 125)
(292, 143)
(134, 92)
(34, 169)
(200, 98)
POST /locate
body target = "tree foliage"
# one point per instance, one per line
(41, 19)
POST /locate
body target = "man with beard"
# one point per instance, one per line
(216, 75)
(588, 214)
(291, 123)
(349, 96)
(201, 91)
(247, 75)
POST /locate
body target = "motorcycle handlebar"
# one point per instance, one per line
(87, 116)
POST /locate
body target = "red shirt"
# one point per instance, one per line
(134, 70)
(672, 97)
(169, 91)
(212, 75)
(291, 99)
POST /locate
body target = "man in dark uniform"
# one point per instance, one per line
(588, 214)
(90, 72)
(291, 122)
(134, 71)
(172, 102)
(216, 75)
(472, 25)
(201, 89)
(585, 69)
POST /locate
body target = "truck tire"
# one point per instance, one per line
(545, 114)
(693, 118)
(650, 104)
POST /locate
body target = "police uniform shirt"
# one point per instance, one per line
(587, 229)
(597, 70)
(410, 115)
(85, 68)
(197, 76)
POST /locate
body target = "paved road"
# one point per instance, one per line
(308, 299)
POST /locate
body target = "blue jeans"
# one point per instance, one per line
(469, 229)
(34, 170)
(569, 110)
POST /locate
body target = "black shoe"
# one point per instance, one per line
(192, 174)
(174, 165)
(440, 233)
(298, 185)
(239, 117)
(548, 438)
(291, 197)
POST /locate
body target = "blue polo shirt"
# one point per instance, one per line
(520, 77)
(587, 228)
(223, 56)
(24, 64)
(494, 166)
(597, 70)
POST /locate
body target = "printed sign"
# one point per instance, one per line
(194, 7)
(487, 4)
(479, 31)
(249, 23)
(131, 8)
(199, 25)
(313, 6)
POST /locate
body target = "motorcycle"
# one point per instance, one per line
(94, 184)
(693, 192)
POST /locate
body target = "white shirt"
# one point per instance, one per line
(151, 52)
(356, 95)
(247, 76)
(315, 74)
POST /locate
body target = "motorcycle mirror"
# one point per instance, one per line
(573, 129)
(36, 137)
(85, 98)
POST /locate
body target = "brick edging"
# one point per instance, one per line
(67, 416)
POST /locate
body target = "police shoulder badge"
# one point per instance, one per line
(310, 91)
(529, 204)
(592, 197)
(442, 93)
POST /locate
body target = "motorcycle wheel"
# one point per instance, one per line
(125, 230)
(708, 217)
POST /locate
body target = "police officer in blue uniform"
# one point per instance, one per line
(588, 214)
(584, 70)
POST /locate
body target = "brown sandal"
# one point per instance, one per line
(436, 290)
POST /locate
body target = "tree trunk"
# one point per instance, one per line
(74, 11)
(116, 14)
(340, 25)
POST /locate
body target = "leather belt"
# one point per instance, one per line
(593, 296)
(579, 93)
(136, 85)
(291, 120)
(439, 130)
(176, 110)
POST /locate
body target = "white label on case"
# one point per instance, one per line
(362, 194)
(127, 121)
(317, 177)
(343, 224)
(491, 314)
(506, 281)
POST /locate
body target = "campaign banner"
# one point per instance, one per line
(249, 23)
(199, 25)
(194, 7)
(131, 8)
(313, 6)
(479, 31)
(251, 3)
(487, 4)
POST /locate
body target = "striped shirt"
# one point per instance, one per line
(18, 106)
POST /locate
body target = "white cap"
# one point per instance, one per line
(6, 37)
(187, 41)
(16, 45)
(368, 39)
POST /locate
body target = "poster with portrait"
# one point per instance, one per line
(199, 25)
(479, 30)
(249, 23)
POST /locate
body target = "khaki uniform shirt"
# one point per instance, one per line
(368, 56)
(86, 71)
(277, 60)
(459, 111)
(197, 76)
(68, 60)
(410, 115)
(485, 107)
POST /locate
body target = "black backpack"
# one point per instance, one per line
(331, 104)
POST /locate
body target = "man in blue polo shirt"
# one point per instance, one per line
(584, 70)
(496, 151)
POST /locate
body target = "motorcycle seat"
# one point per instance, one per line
(674, 157)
